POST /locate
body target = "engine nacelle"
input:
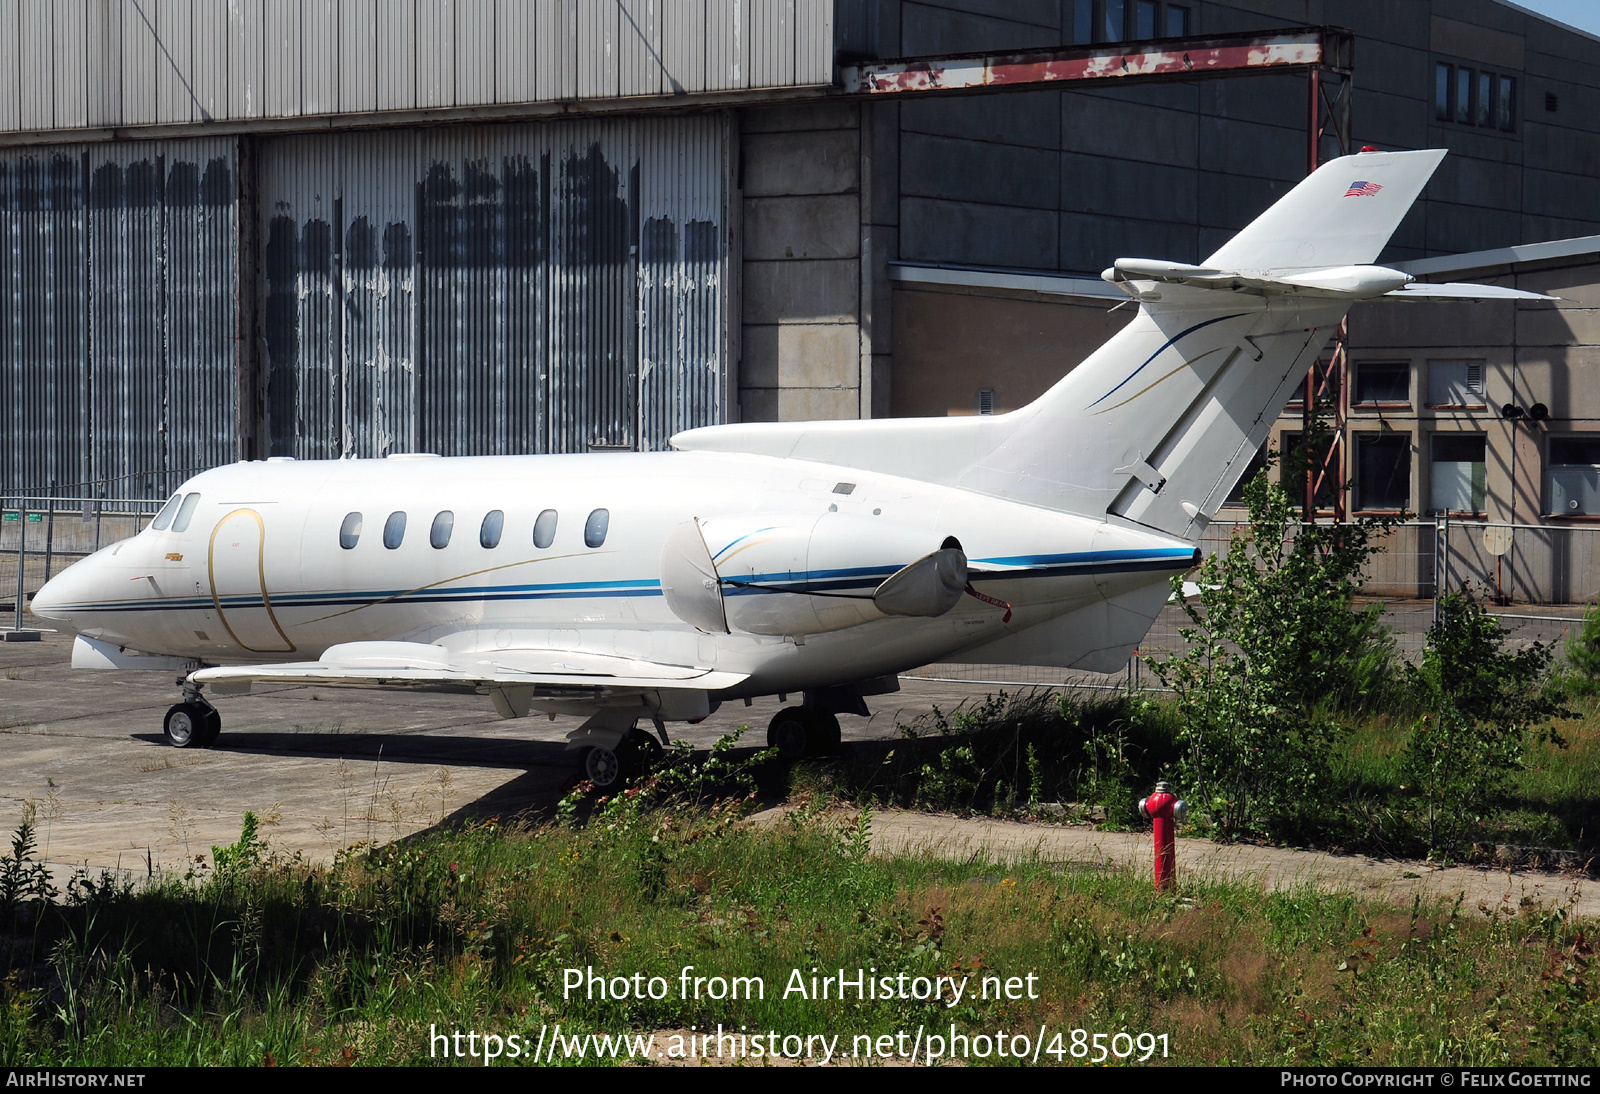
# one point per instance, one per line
(806, 574)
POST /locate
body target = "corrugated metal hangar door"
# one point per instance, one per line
(117, 317)
(550, 287)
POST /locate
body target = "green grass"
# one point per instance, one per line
(257, 959)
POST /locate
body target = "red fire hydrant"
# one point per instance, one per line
(1165, 810)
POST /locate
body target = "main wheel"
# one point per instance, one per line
(826, 739)
(791, 733)
(186, 725)
(602, 767)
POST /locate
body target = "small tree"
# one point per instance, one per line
(1483, 705)
(1277, 643)
(1581, 673)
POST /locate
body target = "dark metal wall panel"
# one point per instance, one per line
(594, 194)
(117, 313)
(482, 289)
(42, 328)
(683, 263)
(337, 275)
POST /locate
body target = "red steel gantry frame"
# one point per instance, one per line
(1325, 54)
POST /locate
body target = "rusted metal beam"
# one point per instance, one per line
(1170, 58)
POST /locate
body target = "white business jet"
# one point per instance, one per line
(818, 558)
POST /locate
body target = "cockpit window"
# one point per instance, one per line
(350, 531)
(544, 529)
(443, 525)
(394, 530)
(594, 529)
(489, 534)
(180, 523)
(164, 517)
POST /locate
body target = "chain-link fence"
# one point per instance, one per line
(41, 536)
(1537, 579)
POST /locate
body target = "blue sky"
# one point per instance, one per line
(1583, 14)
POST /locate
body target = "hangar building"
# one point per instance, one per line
(316, 228)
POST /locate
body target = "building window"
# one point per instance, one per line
(1453, 384)
(1383, 384)
(1096, 21)
(1474, 96)
(1292, 470)
(1383, 472)
(1457, 483)
(1574, 482)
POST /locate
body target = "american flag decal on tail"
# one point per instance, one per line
(1362, 189)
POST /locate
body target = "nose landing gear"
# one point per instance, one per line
(193, 723)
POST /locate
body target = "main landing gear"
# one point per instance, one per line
(193, 723)
(608, 767)
(798, 732)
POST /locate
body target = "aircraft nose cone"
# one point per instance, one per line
(51, 601)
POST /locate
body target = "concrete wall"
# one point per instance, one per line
(806, 311)
(951, 343)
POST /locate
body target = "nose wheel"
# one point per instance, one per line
(193, 723)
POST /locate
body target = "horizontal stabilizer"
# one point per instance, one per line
(1331, 283)
(1453, 290)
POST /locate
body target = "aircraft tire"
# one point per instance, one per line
(791, 732)
(826, 738)
(185, 725)
(603, 767)
(212, 728)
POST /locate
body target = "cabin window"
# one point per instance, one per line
(594, 529)
(164, 517)
(443, 525)
(394, 530)
(350, 531)
(544, 529)
(180, 523)
(489, 535)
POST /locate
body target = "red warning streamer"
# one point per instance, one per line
(990, 600)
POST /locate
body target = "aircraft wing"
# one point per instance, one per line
(421, 665)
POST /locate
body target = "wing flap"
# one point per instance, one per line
(416, 664)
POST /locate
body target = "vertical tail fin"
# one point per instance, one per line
(1159, 423)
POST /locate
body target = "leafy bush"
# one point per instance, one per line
(1580, 675)
(1483, 703)
(1276, 645)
